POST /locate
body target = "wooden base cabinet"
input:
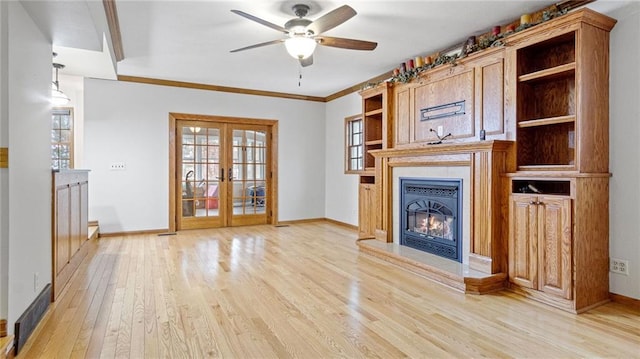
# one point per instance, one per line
(367, 211)
(70, 225)
(558, 240)
(540, 244)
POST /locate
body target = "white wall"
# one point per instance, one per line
(128, 122)
(341, 191)
(624, 200)
(29, 129)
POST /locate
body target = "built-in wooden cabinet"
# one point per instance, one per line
(546, 103)
(366, 210)
(558, 76)
(465, 101)
(377, 105)
(70, 224)
(531, 122)
(540, 243)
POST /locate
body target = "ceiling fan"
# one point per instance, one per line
(304, 34)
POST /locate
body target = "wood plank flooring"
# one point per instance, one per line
(299, 291)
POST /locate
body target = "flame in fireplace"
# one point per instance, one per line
(437, 225)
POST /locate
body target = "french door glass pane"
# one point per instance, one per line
(200, 171)
(249, 167)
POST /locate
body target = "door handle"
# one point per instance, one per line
(221, 178)
(230, 176)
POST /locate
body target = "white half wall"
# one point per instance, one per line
(129, 122)
(341, 190)
(29, 195)
(624, 202)
(4, 172)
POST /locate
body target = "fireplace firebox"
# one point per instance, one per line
(430, 215)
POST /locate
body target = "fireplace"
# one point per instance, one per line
(430, 216)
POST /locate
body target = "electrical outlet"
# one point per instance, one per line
(440, 131)
(36, 281)
(619, 266)
(117, 166)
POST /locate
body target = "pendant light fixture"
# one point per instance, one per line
(58, 98)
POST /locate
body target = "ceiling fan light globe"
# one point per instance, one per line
(300, 47)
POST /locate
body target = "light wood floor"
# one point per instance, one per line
(300, 291)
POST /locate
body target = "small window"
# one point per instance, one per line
(353, 144)
(62, 138)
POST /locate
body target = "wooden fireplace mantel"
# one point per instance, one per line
(488, 162)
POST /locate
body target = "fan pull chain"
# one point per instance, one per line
(299, 74)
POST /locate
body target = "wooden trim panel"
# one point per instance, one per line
(624, 300)
(198, 86)
(114, 28)
(4, 157)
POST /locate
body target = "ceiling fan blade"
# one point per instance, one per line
(307, 62)
(343, 43)
(260, 21)
(258, 45)
(332, 19)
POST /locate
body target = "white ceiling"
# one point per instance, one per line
(190, 40)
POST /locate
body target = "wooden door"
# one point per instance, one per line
(248, 174)
(523, 241)
(202, 175)
(225, 174)
(554, 255)
(367, 210)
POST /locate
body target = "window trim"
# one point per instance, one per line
(72, 135)
(347, 143)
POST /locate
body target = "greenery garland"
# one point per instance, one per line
(483, 43)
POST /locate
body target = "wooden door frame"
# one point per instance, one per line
(272, 193)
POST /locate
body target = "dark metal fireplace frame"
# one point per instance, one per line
(442, 192)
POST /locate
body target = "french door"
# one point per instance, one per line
(223, 174)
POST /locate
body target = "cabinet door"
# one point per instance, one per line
(554, 255)
(523, 241)
(367, 210)
(63, 232)
(84, 212)
(74, 218)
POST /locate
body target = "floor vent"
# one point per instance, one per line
(31, 317)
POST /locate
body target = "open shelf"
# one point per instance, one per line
(373, 103)
(547, 121)
(373, 143)
(373, 112)
(551, 146)
(550, 73)
(555, 187)
(548, 57)
(546, 105)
